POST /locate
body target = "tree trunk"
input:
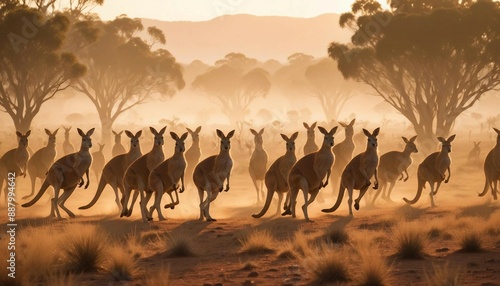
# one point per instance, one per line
(106, 130)
(23, 124)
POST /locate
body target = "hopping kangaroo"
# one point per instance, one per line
(492, 169)
(310, 145)
(433, 170)
(118, 148)
(394, 165)
(276, 178)
(40, 162)
(98, 161)
(343, 151)
(210, 174)
(137, 174)
(164, 178)
(68, 148)
(66, 173)
(113, 171)
(358, 172)
(258, 163)
(193, 153)
(474, 155)
(15, 161)
(309, 172)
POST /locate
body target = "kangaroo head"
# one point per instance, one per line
(179, 141)
(410, 144)
(225, 143)
(446, 143)
(52, 136)
(310, 129)
(476, 145)
(23, 138)
(195, 135)
(498, 133)
(372, 137)
(257, 136)
(329, 140)
(66, 131)
(118, 136)
(134, 139)
(349, 130)
(158, 140)
(290, 142)
(86, 140)
(101, 146)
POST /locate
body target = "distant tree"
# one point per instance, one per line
(233, 89)
(33, 65)
(430, 66)
(238, 61)
(290, 78)
(329, 87)
(124, 70)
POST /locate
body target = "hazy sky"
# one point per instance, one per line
(200, 10)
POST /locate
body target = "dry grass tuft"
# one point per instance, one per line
(470, 241)
(443, 276)
(287, 251)
(121, 265)
(326, 266)
(179, 246)
(374, 269)
(84, 248)
(61, 279)
(410, 240)
(257, 242)
(157, 278)
(336, 234)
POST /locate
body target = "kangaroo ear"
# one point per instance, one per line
(376, 131)
(153, 130)
(184, 136)
(333, 130)
(366, 132)
(412, 139)
(230, 134)
(496, 130)
(441, 139)
(261, 131)
(294, 136)
(220, 134)
(284, 137)
(90, 132)
(101, 146)
(174, 136)
(254, 132)
(198, 129)
(478, 143)
(305, 125)
(19, 134)
(55, 132)
(352, 122)
(189, 130)
(114, 133)
(314, 125)
(404, 139)
(343, 124)
(451, 138)
(322, 130)
(129, 134)
(138, 134)
(162, 131)
(80, 132)
(47, 131)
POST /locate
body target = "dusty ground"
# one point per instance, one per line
(217, 244)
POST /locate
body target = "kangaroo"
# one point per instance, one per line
(343, 151)
(433, 169)
(15, 161)
(310, 145)
(258, 163)
(193, 154)
(394, 165)
(492, 169)
(309, 172)
(68, 148)
(164, 178)
(98, 161)
(40, 162)
(137, 174)
(66, 174)
(276, 178)
(209, 175)
(358, 173)
(113, 171)
(118, 148)
(473, 156)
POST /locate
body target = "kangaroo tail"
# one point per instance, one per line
(485, 190)
(43, 188)
(269, 198)
(100, 188)
(421, 185)
(339, 200)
